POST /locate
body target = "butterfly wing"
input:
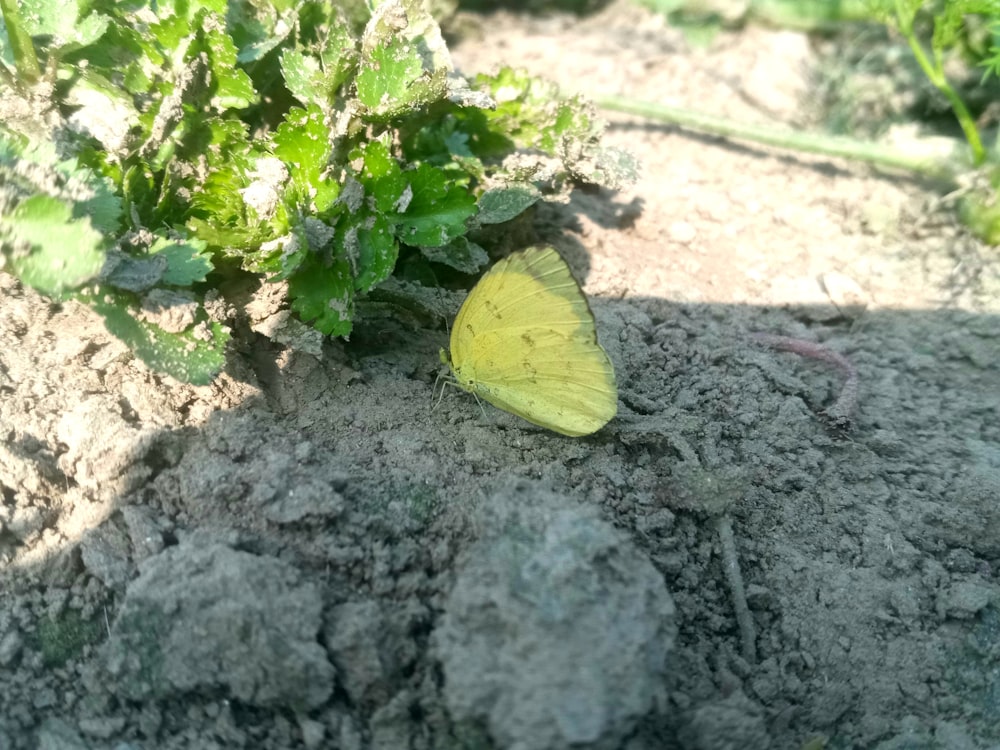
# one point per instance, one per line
(523, 290)
(525, 341)
(565, 384)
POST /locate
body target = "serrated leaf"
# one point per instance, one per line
(323, 296)
(531, 115)
(437, 211)
(63, 253)
(258, 28)
(91, 194)
(371, 249)
(219, 214)
(302, 141)
(233, 88)
(187, 260)
(282, 256)
(170, 30)
(404, 62)
(60, 20)
(381, 176)
(303, 76)
(193, 356)
(613, 168)
(501, 204)
(103, 208)
(391, 82)
(314, 76)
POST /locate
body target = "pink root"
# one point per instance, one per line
(841, 414)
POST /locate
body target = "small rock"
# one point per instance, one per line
(144, 532)
(953, 736)
(26, 521)
(313, 732)
(733, 723)
(308, 498)
(353, 635)
(391, 724)
(10, 648)
(209, 617)
(557, 629)
(104, 451)
(682, 232)
(105, 553)
(56, 734)
(966, 599)
(102, 727)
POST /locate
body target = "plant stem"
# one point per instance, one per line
(20, 43)
(935, 74)
(816, 143)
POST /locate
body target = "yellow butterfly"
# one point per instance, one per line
(525, 341)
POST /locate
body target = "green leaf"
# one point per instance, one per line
(16, 48)
(532, 116)
(169, 31)
(323, 296)
(233, 88)
(501, 204)
(61, 22)
(315, 77)
(446, 143)
(302, 141)
(303, 76)
(192, 356)
(381, 177)
(187, 260)
(372, 250)
(391, 82)
(53, 252)
(103, 111)
(338, 54)
(91, 194)
(437, 211)
(404, 61)
(220, 212)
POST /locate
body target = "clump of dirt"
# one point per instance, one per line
(308, 554)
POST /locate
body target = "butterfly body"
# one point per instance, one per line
(525, 341)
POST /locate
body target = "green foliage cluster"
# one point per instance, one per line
(950, 24)
(147, 148)
(972, 28)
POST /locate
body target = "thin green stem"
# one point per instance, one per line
(935, 74)
(20, 43)
(815, 143)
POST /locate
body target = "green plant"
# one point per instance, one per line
(947, 20)
(151, 149)
(702, 18)
(63, 638)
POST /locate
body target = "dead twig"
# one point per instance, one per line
(731, 568)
